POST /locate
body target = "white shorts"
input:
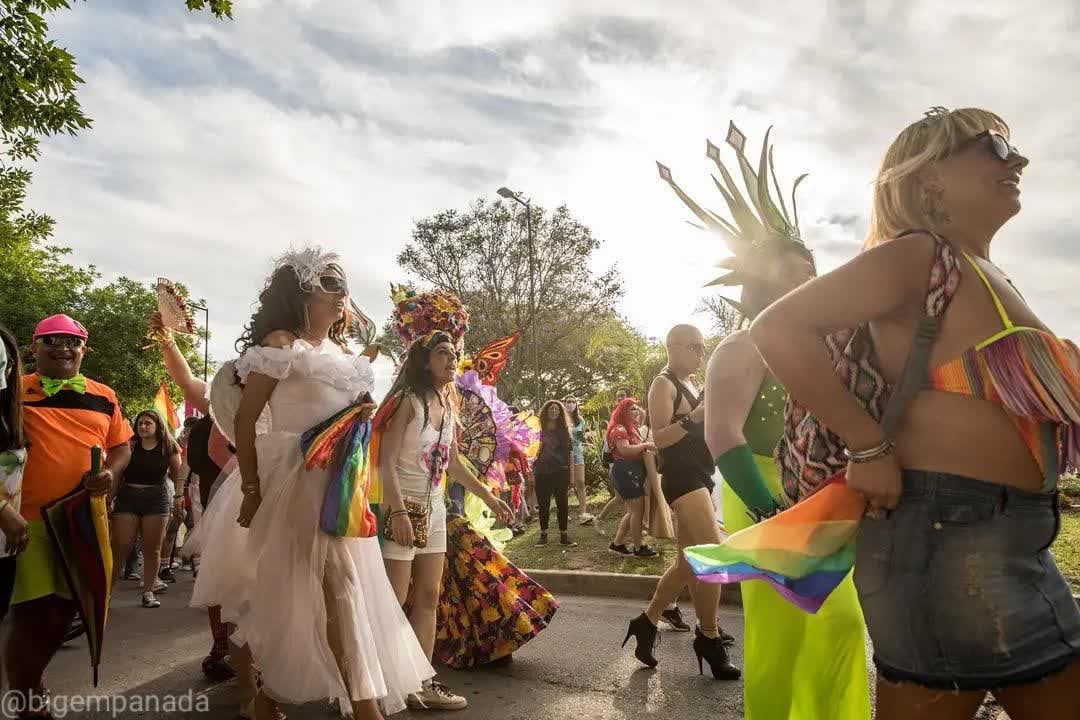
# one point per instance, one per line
(436, 543)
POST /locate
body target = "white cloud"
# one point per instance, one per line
(217, 145)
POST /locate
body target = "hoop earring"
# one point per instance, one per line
(934, 207)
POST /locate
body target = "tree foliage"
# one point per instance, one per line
(482, 254)
(725, 318)
(38, 98)
(37, 281)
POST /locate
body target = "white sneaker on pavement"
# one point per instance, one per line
(436, 696)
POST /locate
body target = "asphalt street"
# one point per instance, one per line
(574, 670)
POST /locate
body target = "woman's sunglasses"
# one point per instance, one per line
(333, 284)
(999, 146)
(68, 341)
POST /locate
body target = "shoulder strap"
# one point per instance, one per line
(944, 280)
(681, 391)
(998, 305)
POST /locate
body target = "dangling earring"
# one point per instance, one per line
(307, 320)
(934, 206)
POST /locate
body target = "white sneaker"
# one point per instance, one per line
(587, 519)
(149, 601)
(160, 586)
(436, 696)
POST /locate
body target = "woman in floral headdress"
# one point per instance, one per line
(413, 447)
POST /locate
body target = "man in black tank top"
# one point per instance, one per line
(677, 419)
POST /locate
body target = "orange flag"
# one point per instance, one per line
(164, 405)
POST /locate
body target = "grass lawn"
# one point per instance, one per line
(1067, 548)
(592, 551)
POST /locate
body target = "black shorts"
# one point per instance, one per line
(677, 485)
(144, 500)
(628, 477)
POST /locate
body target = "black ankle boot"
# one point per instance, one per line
(714, 650)
(646, 637)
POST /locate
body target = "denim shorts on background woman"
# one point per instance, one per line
(142, 500)
(959, 587)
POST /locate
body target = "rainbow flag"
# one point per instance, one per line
(164, 405)
(343, 441)
(804, 552)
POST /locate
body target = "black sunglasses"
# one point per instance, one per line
(68, 341)
(999, 146)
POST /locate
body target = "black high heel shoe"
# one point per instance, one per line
(647, 637)
(714, 650)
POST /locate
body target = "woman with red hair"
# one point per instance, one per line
(628, 471)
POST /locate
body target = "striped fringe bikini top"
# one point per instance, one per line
(1033, 375)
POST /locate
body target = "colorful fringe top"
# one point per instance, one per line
(1034, 376)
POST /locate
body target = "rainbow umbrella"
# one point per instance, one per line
(78, 525)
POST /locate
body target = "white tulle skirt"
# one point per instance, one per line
(317, 611)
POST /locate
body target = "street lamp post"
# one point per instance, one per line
(516, 197)
(206, 340)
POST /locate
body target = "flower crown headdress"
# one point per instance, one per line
(762, 228)
(427, 316)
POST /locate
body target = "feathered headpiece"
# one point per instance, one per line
(417, 316)
(762, 228)
(309, 265)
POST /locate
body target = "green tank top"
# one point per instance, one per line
(765, 423)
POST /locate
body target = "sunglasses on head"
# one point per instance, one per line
(1001, 148)
(68, 341)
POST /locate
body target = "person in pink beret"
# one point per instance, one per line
(64, 415)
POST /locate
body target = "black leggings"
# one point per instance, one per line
(557, 485)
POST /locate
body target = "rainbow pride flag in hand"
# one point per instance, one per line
(804, 552)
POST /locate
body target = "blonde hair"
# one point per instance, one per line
(898, 195)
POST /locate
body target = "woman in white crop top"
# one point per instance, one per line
(418, 447)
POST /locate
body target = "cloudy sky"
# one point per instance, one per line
(217, 145)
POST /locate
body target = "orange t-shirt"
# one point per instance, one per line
(61, 430)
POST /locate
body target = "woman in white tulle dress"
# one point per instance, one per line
(316, 611)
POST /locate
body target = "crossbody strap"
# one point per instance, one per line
(436, 465)
(944, 280)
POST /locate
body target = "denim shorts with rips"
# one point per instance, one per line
(959, 587)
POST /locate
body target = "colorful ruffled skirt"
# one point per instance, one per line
(488, 607)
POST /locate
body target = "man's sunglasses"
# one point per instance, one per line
(999, 146)
(69, 341)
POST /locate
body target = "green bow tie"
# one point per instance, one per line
(51, 386)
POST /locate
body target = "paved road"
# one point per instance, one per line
(574, 670)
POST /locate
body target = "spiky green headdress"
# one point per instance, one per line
(761, 229)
